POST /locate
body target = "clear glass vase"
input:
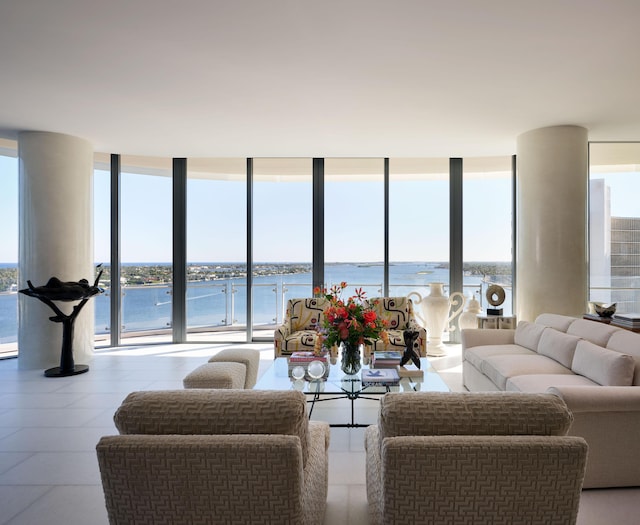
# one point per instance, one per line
(350, 358)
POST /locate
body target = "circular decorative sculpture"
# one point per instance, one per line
(495, 295)
(316, 369)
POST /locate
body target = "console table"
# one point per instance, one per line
(497, 321)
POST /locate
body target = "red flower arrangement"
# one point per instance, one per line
(353, 321)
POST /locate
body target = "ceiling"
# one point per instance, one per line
(344, 78)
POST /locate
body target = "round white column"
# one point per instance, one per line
(551, 258)
(56, 240)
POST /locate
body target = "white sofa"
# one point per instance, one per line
(593, 366)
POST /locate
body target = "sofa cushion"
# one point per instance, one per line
(539, 383)
(396, 311)
(605, 367)
(499, 368)
(477, 354)
(559, 322)
(528, 335)
(306, 314)
(628, 343)
(597, 333)
(199, 411)
(558, 345)
(466, 413)
(299, 341)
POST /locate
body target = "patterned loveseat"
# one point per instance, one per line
(299, 330)
(473, 458)
(215, 456)
(400, 316)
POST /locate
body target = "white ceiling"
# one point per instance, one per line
(276, 78)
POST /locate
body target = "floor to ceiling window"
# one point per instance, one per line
(102, 244)
(354, 224)
(216, 249)
(487, 227)
(418, 226)
(282, 238)
(8, 251)
(146, 246)
(614, 225)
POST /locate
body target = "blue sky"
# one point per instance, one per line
(282, 222)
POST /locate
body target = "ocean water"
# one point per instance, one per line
(223, 303)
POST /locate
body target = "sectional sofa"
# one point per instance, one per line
(593, 367)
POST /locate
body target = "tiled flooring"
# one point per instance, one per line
(49, 428)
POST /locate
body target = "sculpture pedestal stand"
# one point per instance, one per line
(56, 290)
(67, 366)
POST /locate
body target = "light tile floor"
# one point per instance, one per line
(49, 428)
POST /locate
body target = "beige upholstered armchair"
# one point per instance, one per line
(299, 330)
(486, 458)
(215, 456)
(400, 316)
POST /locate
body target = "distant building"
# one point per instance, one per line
(614, 259)
(625, 263)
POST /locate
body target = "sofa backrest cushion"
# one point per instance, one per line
(397, 311)
(558, 346)
(528, 334)
(467, 413)
(306, 314)
(605, 367)
(628, 343)
(209, 411)
(597, 333)
(557, 321)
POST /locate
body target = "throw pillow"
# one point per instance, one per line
(558, 346)
(605, 367)
(528, 335)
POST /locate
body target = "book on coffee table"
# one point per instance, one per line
(380, 377)
(387, 359)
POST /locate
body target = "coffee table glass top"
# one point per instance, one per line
(276, 377)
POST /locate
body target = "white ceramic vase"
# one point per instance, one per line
(435, 315)
(469, 318)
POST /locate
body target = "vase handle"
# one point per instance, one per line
(415, 310)
(453, 299)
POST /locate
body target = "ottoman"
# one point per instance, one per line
(216, 375)
(249, 357)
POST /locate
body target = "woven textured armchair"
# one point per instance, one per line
(215, 456)
(449, 458)
(299, 332)
(400, 316)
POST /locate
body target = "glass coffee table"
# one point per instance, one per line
(339, 385)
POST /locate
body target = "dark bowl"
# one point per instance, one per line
(605, 311)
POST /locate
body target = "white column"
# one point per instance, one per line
(551, 257)
(56, 239)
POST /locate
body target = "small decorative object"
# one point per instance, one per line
(316, 370)
(435, 314)
(57, 290)
(410, 352)
(297, 372)
(605, 311)
(495, 297)
(469, 318)
(349, 323)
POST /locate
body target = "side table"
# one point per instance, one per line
(497, 322)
